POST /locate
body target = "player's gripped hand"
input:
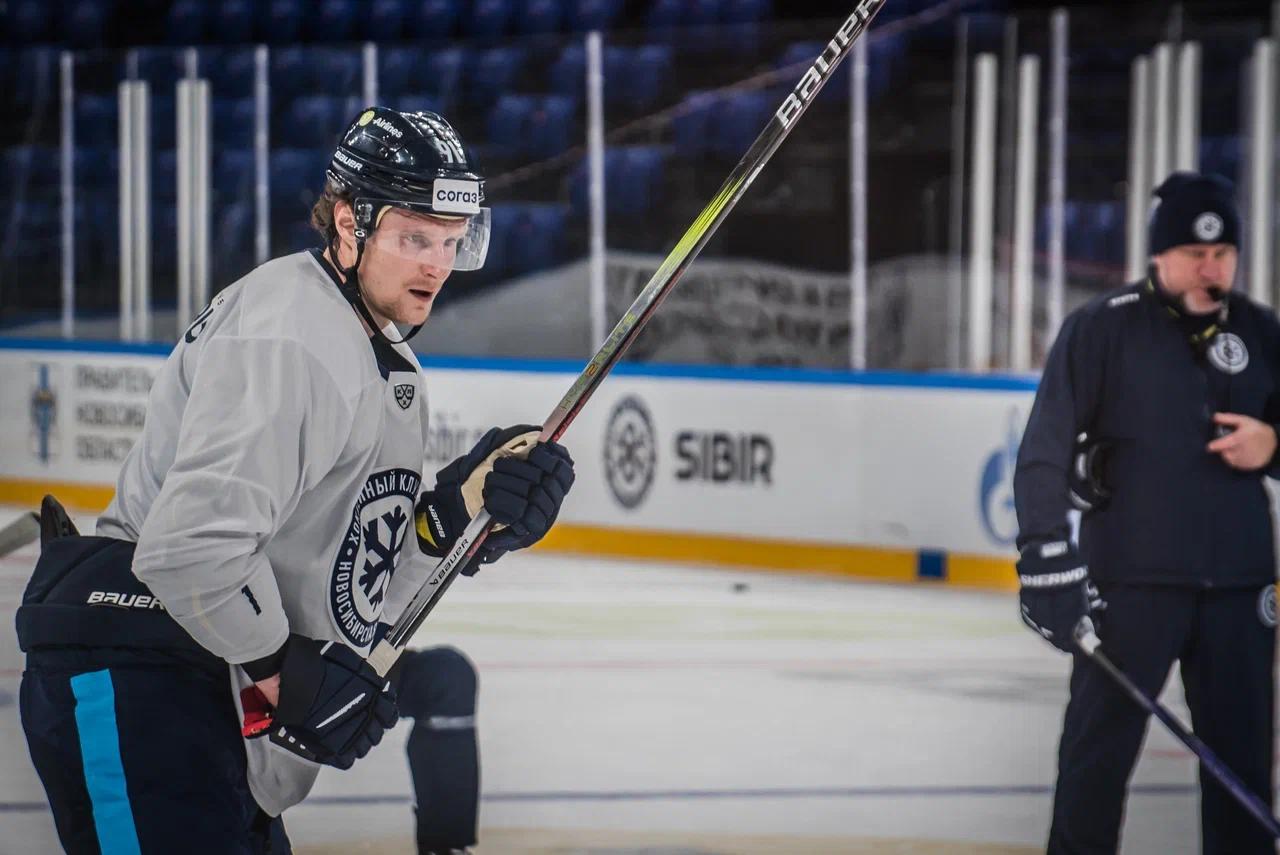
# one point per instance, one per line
(1250, 444)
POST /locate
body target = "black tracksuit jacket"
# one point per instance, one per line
(1124, 368)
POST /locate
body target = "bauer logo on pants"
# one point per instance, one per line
(370, 551)
(1267, 607)
(630, 452)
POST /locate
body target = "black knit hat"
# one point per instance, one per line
(1194, 208)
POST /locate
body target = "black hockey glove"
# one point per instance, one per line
(1087, 480)
(519, 481)
(333, 706)
(1055, 591)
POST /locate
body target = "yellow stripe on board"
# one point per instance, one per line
(88, 498)
(862, 562)
(866, 562)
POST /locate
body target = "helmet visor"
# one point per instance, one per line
(418, 234)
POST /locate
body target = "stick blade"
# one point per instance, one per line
(17, 534)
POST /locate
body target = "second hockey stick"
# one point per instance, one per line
(1089, 643)
(387, 651)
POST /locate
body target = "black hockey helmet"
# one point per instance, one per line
(416, 162)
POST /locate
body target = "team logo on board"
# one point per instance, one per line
(630, 452)
(1207, 227)
(44, 414)
(995, 489)
(1228, 353)
(370, 550)
(1267, 607)
(404, 394)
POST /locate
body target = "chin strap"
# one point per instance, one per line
(350, 289)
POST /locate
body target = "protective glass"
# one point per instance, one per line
(417, 234)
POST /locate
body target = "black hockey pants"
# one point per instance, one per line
(1224, 641)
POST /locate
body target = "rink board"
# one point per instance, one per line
(897, 477)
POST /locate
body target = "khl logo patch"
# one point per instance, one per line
(380, 521)
(1228, 353)
(404, 394)
(1267, 607)
(630, 452)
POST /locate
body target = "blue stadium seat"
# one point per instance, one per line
(96, 118)
(96, 165)
(233, 122)
(386, 21)
(35, 164)
(585, 15)
(533, 236)
(746, 11)
(282, 22)
(335, 70)
(232, 22)
(551, 125)
(702, 13)
(289, 74)
(539, 16)
(638, 182)
(161, 67)
(739, 120)
(568, 72)
(185, 23)
(650, 74)
(495, 72)
(163, 120)
(164, 174)
(445, 71)
(508, 125)
(86, 24)
(233, 173)
(400, 70)
(1222, 156)
(28, 21)
(692, 128)
(297, 175)
(27, 69)
(314, 121)
(335, 21)
(488, 19)
(230, 71)
(433, 19)
(417, 104)
(665, 15)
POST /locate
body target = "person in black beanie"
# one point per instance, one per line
(1156, 417)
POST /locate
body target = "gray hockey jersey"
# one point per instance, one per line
(273, 487)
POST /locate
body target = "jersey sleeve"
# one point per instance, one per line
(1065, 405)
(264, 421)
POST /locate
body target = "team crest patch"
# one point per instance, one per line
(1207, 226)
(380, 522)
(404, 394)
(1228, 353)
(1267, 607)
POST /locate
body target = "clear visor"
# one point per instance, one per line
(448, 242)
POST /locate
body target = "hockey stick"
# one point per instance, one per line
(387, 651)
(19, 533)
(1089, 642)
(646, 303)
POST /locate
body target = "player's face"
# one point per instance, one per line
(406, 262)
(1188, 271)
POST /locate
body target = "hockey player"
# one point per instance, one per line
(268, 525)
(1173, 381)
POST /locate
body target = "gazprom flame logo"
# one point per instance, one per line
(995, 491)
